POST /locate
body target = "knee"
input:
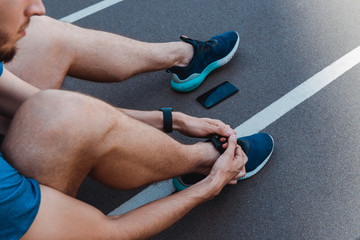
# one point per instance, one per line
(40, 113)
(51, 108)
(54, 37)
(54, 117)
(54, 124)
(48, 27)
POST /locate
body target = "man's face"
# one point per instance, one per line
(14, 19)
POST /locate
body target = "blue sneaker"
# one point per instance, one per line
(257, 147)
(208, 56)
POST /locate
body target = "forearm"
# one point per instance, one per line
(13, 92)
(154, 118)
(185, 124)
(157, 216)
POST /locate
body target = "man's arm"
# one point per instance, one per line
(185, 124)
(63, 217)
(13, 92)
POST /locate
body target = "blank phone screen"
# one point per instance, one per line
(217, 94)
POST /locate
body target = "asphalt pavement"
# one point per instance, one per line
(310, 188)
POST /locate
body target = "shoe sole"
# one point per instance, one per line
(256, 170)
(179, 186)
(195, 80)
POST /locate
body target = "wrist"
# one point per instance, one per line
(178, 120)
(209, 187)
(167, 119)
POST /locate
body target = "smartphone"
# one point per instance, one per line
(217, 94)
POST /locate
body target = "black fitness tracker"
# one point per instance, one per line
(167, 116)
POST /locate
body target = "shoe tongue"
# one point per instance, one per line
(190, 41)
(186, 39)
(215, 140)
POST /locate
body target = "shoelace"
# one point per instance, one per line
(215, 140)
(205, 44)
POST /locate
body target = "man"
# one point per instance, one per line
(55, 138)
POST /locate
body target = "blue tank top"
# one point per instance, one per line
(19, 202)
(1, 68)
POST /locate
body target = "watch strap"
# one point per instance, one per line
(167, 116)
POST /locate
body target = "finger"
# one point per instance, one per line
(223, 139)
(241, 173)
(231, 146)
(233, 181)
(239, 153)
(245, 159)
(228, 130)
(224, 130)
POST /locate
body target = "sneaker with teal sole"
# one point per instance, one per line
(257, 147)
(208, 56)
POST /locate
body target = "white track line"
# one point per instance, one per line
(299, 94)
(89, 10)
(149, 194)
(259, 121)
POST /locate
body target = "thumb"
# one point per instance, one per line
(231, 145)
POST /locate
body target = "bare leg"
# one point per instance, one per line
(59, 137)
(52, 49)
(42, 58)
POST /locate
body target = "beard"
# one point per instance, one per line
(6, 55)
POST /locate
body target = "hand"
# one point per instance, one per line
(230, 165)
(200, 127)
